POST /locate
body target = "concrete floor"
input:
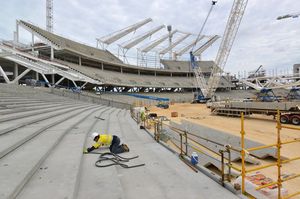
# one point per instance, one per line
(41, 154)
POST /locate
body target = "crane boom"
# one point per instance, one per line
(233, 23)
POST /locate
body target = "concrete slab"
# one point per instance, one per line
(59, 171)
(224, 138)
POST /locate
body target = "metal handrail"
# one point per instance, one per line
(279, 162)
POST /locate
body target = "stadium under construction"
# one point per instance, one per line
(194, 130)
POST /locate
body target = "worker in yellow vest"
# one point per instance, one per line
(112, 141)
(142, 118)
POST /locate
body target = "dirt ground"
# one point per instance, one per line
(260, 128)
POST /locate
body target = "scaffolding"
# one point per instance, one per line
(278, 164)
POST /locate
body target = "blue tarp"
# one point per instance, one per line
(149, 97)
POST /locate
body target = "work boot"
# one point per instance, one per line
(125, 147)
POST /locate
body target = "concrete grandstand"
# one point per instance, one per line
(59, 61)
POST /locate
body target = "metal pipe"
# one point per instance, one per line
(186, 143)
(222, 167)
(292, 195)
(266, 185)
(229, 162)
(261, 147)
(243, 152)
(290, 178)
(181, 151)
(261, 167)
(289, 127)
(278, 126)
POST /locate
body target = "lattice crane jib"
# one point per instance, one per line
(229, 35)
(49, 15)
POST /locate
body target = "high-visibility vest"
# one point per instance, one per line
(104, 139)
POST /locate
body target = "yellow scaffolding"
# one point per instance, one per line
(279, 162)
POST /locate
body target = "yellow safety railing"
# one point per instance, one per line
(279, 162)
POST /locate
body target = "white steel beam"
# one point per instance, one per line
(4, 75)
(60, 80)
(81, 87)
(186, 48)
(46, 80)
(74, 83)
(207, 44)
(157, 42)
(164, 51)
(142, 37)
(21, 75)
(121, 33)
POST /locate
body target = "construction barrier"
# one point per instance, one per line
(278, 164)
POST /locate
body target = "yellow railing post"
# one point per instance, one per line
(243, 152)
(278, 126)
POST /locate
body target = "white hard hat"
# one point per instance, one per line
(95, 134)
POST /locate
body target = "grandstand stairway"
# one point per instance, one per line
(41, 141)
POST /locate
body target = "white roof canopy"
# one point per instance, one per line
(157, 42)
(121, 33)
(142, 37)
(164, 51)
(207, 44)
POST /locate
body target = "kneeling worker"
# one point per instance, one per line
(112, 141)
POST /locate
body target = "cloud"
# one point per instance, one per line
(261, 39)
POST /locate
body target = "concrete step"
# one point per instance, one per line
(16, 138)
(67, 157)
(25, 109)
(26, 160)
(20, 115)
(93, 177)
(21, 102)
(9, 126)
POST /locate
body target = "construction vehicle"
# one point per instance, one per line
(163, 104)
(266, 95)
(290, 110)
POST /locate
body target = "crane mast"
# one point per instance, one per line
(233, 23)
(49, 15)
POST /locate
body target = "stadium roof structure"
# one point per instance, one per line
(83, 64)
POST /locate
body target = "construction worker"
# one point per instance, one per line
(112, 141)
(142, 117)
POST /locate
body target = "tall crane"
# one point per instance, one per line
(49, 15)
(209, 87)
(233, 23)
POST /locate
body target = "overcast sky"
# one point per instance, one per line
(261, 40)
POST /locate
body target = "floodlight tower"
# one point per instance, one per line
(169, 27)
(49, 15)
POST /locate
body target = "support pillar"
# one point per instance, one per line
(52, 53)
(32, 41)
(53, 78)
(101, 65)
(37, 76)
(16, 70)
(79, 60)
